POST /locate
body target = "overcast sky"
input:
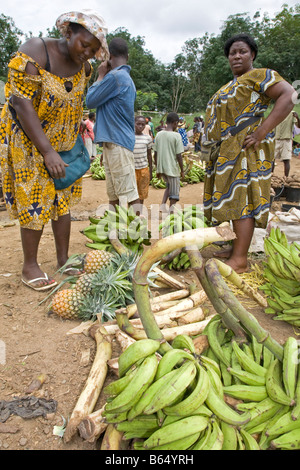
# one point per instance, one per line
(164, 25)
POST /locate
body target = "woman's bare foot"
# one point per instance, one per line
(223, 253)
(238, 265)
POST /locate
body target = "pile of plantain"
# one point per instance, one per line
(188, 218)
(282, 275)
(180, 400)
(97, 169)
(131, 230)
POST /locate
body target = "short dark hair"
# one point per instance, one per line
(92, 115)
(118, 47)
(140, 117)
(172, 117)
(243, 37)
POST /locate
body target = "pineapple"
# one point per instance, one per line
(66, 303)
(84, 283)
(100, 307)
(95, 260)
(89, 262)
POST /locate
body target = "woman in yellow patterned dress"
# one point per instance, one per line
(42, 115)
(237, 185)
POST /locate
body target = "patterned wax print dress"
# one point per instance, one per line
(237, 185)
(28, 189)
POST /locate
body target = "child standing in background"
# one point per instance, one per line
(142, 158)
(168, 148)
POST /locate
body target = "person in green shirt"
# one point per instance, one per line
(284, 140)
(168, 148)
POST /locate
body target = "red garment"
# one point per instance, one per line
(89, 130)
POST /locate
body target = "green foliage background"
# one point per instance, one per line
(186, 84)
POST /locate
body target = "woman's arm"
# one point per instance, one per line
(32, 127)
(28, 117)
(284, 95)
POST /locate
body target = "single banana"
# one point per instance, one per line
(229, 436)
(139, 428)
(215, 380)
(135, 389)
(202, 410)
(179, 429)
(180, 444)
(196, 398)
(257, 349)
(173, 388)
(246, 362)
(135, 352)
(212, 336)
(223, 411)
(117, 386)
(226, 376)
(267, 358)
(290, 365)
(296, 409)
(216, 438)
(262, 412)
(171, 359)
(210, 362)
(249, 441)
(271, 263)
(264, 439)
(295, 255)
(247, 392)
(184, 342)
(149, 394)
(246, 377)
(114, 417)
(273, 386)
(288, 441)
(203, 439)
(294, 270)
(281, 426)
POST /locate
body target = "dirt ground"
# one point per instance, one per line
(34, 343)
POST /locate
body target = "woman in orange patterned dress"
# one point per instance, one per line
(42, 116)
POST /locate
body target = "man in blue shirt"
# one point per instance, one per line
(113, 95)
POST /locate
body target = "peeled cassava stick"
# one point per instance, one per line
(191, 329)
(94, 383)
(188, 303)
(192, 316)
(92, 426)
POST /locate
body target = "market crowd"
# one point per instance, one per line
(45, 140)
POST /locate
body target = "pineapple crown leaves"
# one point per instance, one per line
(113, 282)
(74, 261)
(98, 306)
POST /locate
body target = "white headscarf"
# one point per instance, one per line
(92, 22)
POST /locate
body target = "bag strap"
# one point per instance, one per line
(244, 124)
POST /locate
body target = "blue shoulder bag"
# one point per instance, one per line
(79, 163)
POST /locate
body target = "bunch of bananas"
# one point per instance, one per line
(178, 401)
(195, 174)
(188, 218)
(132, 230)
(263, 386)
(97, 170)
(158, 183)
(282, 275)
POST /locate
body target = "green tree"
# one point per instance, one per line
(9, 42)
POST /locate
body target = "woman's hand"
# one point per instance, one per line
(254, 139)
(55, 164)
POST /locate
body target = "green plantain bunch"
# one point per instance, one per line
(282, 275)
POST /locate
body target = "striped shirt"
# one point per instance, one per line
(142, 144)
